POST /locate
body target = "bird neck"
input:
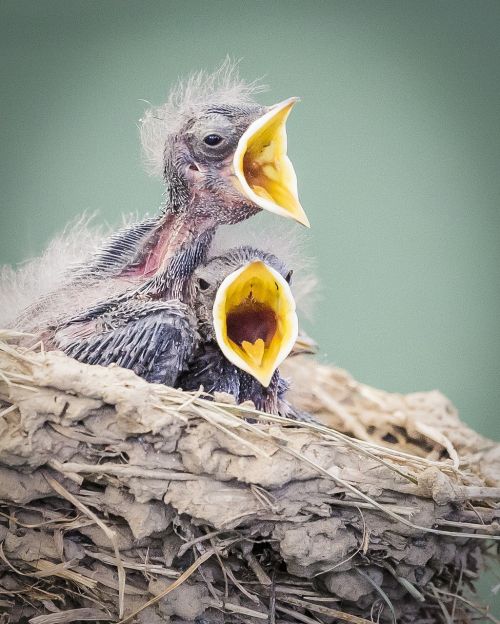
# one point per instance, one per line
(174, 236)
(178, 245)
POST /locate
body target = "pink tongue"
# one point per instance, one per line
(254, 351)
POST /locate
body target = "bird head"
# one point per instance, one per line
(250, 309)
(221, 154)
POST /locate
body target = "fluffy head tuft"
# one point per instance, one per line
(202, 89)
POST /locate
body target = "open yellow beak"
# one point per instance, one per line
(263, 169)
(255, 321)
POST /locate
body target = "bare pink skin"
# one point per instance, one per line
(173, 232)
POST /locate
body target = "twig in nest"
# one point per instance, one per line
(130, 565)
(110, 534)
(183, 577)
(444, 610)
(339, 615)
(201, 538)
(300, 616)
(469, 603)
(380, 591)
(73, 615)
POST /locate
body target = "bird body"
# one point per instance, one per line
(211, 370)
(164, 341)
(247, 326)
(186, 346)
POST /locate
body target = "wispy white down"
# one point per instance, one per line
(38, 291)
(223, 86)
(21, 286)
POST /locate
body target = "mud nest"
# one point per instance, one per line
(124, 501)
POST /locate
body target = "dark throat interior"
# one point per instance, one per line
(250, 321)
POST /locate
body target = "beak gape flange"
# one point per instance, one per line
(262, 167)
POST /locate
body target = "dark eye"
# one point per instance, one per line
(213, 139)
(204, 285)
(288, 278)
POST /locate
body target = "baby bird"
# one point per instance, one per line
(223, 158)
(247, 325)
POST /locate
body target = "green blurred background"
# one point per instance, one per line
(396, 145)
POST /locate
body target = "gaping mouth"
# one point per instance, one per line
(262, 167)
(254, 319)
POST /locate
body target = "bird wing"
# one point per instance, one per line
(119, 251)
(155, 339)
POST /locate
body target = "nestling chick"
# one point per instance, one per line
(248, 326)
(223, 158)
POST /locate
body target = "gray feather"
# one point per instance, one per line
(154, 339)
(120, 250)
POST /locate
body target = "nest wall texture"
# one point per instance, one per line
(125, 501)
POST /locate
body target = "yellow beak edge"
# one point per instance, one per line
(262, 167)
(255, 320)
